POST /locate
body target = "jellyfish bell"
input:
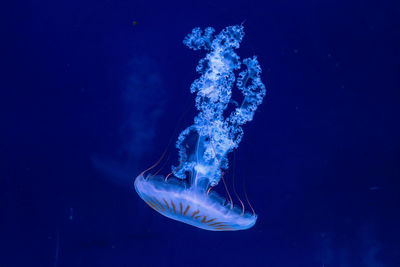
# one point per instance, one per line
(191, 205)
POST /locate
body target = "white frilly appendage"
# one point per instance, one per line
(203, 146)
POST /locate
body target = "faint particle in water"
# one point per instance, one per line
(134, 23)
(374, 188)
(71, 214)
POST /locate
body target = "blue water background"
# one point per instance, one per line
(93, 92)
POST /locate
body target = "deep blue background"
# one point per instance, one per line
(88, 100)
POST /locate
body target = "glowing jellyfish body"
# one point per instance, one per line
(203, 147)
(191, 206)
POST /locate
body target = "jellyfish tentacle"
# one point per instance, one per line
(233, 183)
(222, 175)
(247, 198)
(155, 164)
(180, 163)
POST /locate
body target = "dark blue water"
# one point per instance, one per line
(88, 99)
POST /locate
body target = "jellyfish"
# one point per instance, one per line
(185, 194)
